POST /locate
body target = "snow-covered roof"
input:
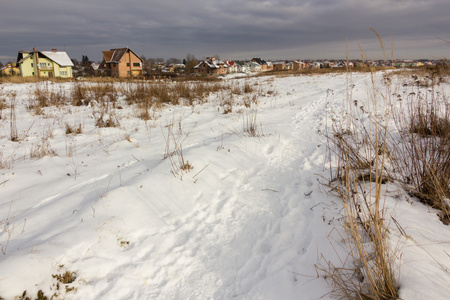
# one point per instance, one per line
(212, 64)
(59, 57)
(8, 67)
(95, 66)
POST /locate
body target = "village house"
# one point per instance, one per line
(243, 67)
(255, 67)
(44, 63)
(259, 61)
(279, 65)
(232, 66)
(94, 68)
(289, 65)
(298, 65)
(265, 65)
(9, 70)
(211, 66)
(121, 62)
(343, 64)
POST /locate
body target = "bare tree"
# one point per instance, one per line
(190, 57)
(173, 60)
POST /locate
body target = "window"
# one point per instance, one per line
(136, 64)
(128, 64)
(43, 65)
(128, 72)
(31, 64)
(63, 73)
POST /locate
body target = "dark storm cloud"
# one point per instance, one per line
(231, 28)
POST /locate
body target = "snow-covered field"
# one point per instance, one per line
(249, 221)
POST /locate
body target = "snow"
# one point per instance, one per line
(249, 221)
(60, 57)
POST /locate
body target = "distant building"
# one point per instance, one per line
(279, 65)
(44, 63)
(265, 65)
(243, 67)
(211, 66)
(255, 67)
(298, 65)
(121, 62)
(9, 70)
(232, 66)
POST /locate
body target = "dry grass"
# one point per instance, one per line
(368, 157)
(75, 129)
(41, 149)
(29, 79)
(421, 151)
(174, 150)
(250, 123)
(14, 135)
(65, 278)
(358, 145)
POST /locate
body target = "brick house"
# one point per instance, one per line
(211, 66)
(298, 65)
(121, 62)
(279, 65)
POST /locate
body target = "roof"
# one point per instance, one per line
(59, 57)
(259, 60)
(8, 67)
(115, 55)
(19, 61)
(212, 64)
(107, 55)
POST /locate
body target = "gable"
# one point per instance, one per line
(22, 56)
(115, 55)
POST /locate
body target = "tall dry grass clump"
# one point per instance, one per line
(359, 148)
(421, 151)
(46, 94)
(174, 150)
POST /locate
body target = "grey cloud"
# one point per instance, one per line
(229, 27)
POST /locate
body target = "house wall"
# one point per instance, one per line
(126, 67)
(298, 65)
(277, 67)
(27, 67)
(221, 70)
(46, 67)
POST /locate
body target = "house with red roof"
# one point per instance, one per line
(121, 62)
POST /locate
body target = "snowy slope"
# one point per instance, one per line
(249, 221)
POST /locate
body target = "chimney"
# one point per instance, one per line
(54, 50)
(34, 49)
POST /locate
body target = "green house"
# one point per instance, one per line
(44, 63)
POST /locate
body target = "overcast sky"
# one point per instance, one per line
(233, 29)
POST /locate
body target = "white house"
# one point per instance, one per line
(255, 67)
